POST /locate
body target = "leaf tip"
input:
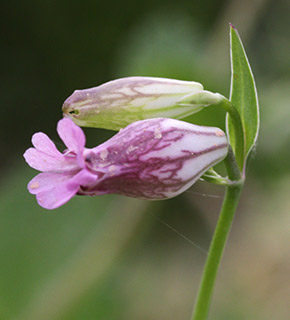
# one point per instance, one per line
(232, 26)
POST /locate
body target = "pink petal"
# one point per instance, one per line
(42, 143)
(83, 178)
(56, 197)
(72, 135)
(54, 190)
(47, 180)
(45, 162)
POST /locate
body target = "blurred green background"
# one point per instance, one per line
(112, 257)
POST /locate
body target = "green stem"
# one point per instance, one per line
(219, 239)
(239, 132)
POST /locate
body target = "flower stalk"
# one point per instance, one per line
(219, 239)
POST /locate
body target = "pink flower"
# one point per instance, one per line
(62, 173)
(150, 159)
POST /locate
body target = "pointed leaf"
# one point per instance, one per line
(243, 95)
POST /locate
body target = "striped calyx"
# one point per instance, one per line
(120, 102)
(154, 159)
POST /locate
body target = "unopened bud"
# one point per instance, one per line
(117, 103)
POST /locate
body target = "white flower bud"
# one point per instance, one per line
(117, 103)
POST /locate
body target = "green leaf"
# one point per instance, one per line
(243, 96)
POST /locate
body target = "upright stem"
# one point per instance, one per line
(218, 242)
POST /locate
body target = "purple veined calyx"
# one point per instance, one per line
(150, 159)
(116, 104)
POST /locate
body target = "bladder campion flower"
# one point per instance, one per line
(150, 159)
(117, 103)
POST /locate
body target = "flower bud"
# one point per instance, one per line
(151, 159)
(117, 103)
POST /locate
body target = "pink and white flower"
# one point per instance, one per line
(151, 159)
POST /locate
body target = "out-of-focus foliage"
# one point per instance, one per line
(116, 258)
